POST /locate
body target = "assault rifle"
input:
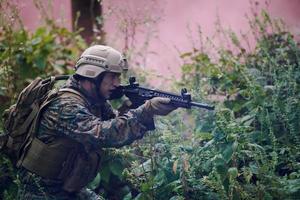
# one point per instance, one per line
(138, 95)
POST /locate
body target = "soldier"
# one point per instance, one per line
(78, 124)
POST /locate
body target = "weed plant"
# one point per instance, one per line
(249, 147)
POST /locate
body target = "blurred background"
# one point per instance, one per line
(156, 32)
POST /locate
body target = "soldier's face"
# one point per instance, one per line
(109, 83)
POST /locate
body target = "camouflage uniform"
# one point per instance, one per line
(91, 123)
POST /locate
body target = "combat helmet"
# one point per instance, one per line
(98, 59)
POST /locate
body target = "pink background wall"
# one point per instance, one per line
(157, 31)
(58, 9)
(176, 31)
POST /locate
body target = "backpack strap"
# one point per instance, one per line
(73, 91)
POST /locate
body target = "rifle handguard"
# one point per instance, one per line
(138, 96)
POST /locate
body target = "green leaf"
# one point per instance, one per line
(234, 38)
(40, 31)
(204, 135)
(146, 187)
(142, 196)
(40, 62)
(128, 196)
(233, 172)
(293, 186)
(105, 173)
(95, 183)
(36, 41)
(187, 54)
(247, 120)
(177, 198)
(159, 179)
(116, 168)
(253, 168)
(226, 184)
(228, 151)
(221, 166)
(219, 160)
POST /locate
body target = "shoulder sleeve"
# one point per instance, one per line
(68, 116)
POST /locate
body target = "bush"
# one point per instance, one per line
(248, 148)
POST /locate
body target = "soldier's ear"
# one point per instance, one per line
(87, 84)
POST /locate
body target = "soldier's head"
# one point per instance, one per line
(102, 66)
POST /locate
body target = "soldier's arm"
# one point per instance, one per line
(75, 120)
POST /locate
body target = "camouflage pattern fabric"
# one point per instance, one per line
(33, 191)
(94, 124)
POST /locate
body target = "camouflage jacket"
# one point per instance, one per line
(94, 124)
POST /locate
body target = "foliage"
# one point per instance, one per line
(248, 148)
(50, 50)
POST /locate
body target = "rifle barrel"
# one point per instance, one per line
(202, 105)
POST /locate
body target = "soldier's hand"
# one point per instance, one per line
(159, 106)
(125, 107)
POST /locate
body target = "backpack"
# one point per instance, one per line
(20, 119)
